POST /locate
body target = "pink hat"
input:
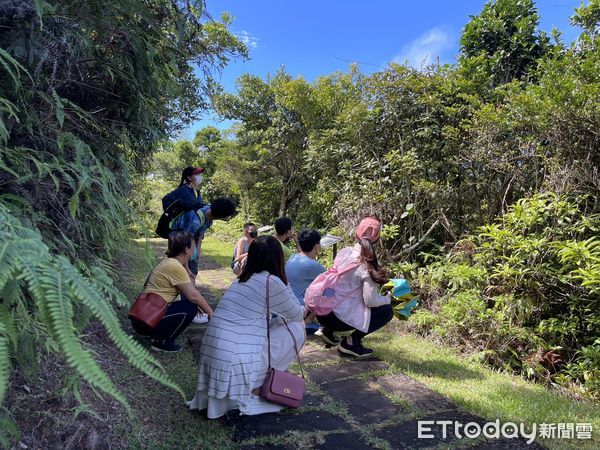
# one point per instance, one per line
(368, 228)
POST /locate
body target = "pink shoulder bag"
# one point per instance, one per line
(281, 387)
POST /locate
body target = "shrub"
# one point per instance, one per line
(526, 291)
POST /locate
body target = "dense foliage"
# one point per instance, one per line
(88, 90)
(486, 172)
(439, 153)
(523, 291)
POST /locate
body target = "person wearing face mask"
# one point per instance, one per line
(187, 195)
(240, 253)
(283, 233)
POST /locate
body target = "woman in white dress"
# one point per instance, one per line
(233, 357)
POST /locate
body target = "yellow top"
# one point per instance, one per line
(165, 277)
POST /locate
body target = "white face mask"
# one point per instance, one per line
(198, 179)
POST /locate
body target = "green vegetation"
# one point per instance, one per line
(485, 173)
(478, 389)
(522, 293)
(219, 251)
(88, 91)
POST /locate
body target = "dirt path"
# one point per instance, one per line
(349, 403)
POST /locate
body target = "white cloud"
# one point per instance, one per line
(426, 49)
(247, 38)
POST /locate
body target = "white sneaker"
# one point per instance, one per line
(201, 318)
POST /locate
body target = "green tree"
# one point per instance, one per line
(273, 127)
(588, 18)
(503, 42)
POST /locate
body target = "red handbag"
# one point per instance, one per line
(281, 387)
(148, 309)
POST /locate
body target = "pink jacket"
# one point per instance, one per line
(361, 293)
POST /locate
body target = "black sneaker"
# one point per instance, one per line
(326, 335)
(166, 346)
(356, 349)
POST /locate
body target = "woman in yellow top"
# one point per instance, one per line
(169, 279)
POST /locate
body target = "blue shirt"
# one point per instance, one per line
(195, 222)
(301, 272)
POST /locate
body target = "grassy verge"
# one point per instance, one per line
(474, 387)
(483, 391)
(161, 418)
(219, 251)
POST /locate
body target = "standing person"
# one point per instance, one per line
(187, 193)
(363, 309)
(186, 199)
(283, 233)
(234, 352)
(240, 252)
(302, 268)
(169, 279)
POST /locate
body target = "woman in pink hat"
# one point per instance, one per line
(363, 309)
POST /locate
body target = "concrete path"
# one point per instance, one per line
(349, 403)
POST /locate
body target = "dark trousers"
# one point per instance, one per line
(379, 317)
(176, 319)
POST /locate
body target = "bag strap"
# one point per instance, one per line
(148, 278)
(269, 333)
(348, 268)
(149, 275)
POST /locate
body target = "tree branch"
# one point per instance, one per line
(409, 250)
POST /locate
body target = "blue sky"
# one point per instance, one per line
(313, 38)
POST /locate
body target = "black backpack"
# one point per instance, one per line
(163, 228)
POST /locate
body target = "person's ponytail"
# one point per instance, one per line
(369, 259)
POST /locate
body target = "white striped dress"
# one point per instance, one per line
(233, 352)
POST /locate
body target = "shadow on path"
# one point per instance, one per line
(349, 403)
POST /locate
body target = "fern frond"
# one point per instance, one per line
(11, 65)
(56, 286)
(106, 288)
(89, 293)
(60, 307)
(4, 362)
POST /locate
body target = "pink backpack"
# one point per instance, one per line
(321, 296)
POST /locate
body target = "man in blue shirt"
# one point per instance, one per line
(302, 268)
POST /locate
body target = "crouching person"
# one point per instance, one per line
(302, 269)
(234, 354)
(363, 310)
(169, 279)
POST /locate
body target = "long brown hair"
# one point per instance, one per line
(265, 253)
(369, 259)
